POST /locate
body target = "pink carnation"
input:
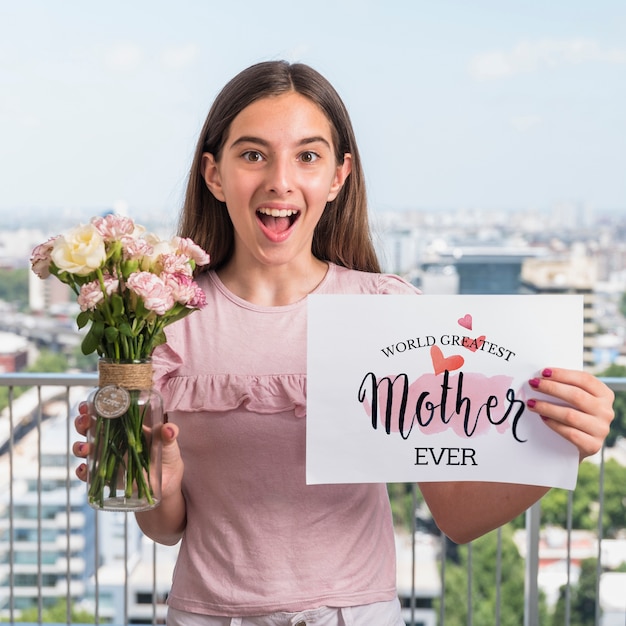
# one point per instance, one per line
(91, 295)
(156, 295)
(185, 290)
(113, 227)
(175, 264)
(40, 259)
(135, 248)
(199, 299)
(192, 250)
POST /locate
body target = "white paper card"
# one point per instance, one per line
(434, 388)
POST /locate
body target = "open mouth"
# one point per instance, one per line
(277, 220)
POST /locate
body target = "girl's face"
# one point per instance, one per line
(277, 171)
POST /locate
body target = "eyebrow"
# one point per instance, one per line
(263, 142)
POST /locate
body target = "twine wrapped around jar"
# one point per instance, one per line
(128, 375)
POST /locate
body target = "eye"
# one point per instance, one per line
(252, 156)
(309, 157)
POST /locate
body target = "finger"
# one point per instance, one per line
(81, 471)
(586, 443)
(171, 451)
(81, 449)
(572, 388)
(169, 433)
(586, 431)
(576, 378)
(579, 390)
(81, 424)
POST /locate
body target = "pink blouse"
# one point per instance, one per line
(258, 539)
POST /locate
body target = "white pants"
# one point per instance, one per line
(377, 614)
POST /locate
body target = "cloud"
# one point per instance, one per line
(524, 123)
(179, 57)
(124, 57)
(533, 56)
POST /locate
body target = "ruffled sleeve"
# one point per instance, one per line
(165, 361)
(188, 384)
(390, 284)
(227, 392)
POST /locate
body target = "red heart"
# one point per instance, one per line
(442, 363)
(466, 321)
(473, 344)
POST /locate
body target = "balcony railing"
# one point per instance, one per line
(54, 548)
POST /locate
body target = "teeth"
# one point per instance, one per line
(277, 212)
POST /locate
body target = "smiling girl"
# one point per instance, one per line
(276, 196)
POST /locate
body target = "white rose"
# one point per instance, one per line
(80, 251)
(151, 261)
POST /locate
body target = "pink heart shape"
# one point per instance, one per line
(466, 321)
(442, 363)
(474, 344)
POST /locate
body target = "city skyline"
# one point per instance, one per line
(491, 105)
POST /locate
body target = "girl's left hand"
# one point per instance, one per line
(588, 412)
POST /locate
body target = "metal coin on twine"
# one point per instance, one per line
(114, 380)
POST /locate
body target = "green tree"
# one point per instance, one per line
(614, 512)
(84, 362)
(618, 426)
(582, 599)
(14, 286)
(56, 614)
(584, 513)
(585, 500)
(48, 361)
(4, 395)
(401, 504)
(484, 583)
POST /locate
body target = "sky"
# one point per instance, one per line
(485, 104)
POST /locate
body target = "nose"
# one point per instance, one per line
(280, 176)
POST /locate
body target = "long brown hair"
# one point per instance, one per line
(342, 235)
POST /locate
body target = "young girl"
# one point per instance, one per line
(276, 196)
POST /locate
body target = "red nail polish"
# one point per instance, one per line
(547, 372)
(531, 403)
(534, 382)
(544, 418)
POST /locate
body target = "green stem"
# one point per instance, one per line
(119, 444)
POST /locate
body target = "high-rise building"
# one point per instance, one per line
(46, 525)
(576, 274)
(484, 269)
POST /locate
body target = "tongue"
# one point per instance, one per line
(276, 224)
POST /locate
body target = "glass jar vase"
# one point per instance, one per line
(124, 464)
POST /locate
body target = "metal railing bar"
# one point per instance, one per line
(11, 512)
(531, 587)
(600, 535)
(41, 379)
(413, 548)
(568, 588)
(442, 579)
(498, 576)
(68, 506)
(470, 580)
(39, 508)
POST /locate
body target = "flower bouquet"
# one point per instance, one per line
(129, 285)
